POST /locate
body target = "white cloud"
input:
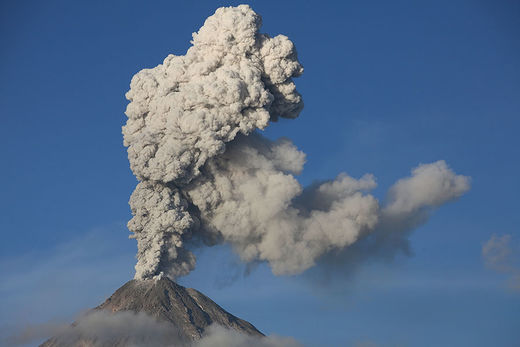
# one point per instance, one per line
(502, 255)
(217, 336)
(102, 328)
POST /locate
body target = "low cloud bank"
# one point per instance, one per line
(217, 336)
(125, 328)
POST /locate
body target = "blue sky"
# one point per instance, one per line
(387, 86)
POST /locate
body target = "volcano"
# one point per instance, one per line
(187, 311)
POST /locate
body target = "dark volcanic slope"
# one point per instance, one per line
(186, 309)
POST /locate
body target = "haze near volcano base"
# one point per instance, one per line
(153, 312)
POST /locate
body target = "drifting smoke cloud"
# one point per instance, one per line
(409, 203)
(206, 173)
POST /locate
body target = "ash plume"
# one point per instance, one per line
(206, 173)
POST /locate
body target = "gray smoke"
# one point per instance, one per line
(206, 173)
(246, 195)
(183, 112)
(409, 203)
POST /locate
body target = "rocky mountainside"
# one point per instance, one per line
(186, 310)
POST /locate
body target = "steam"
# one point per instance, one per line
(206, 173)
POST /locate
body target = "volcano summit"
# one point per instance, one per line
(177, 315)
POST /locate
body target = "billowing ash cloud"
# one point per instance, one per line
(246, 195)
(205, 173)
(183, 112)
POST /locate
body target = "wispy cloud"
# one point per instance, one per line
(501, 254)
(102, 328)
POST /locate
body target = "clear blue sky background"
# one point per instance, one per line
(387, 85)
